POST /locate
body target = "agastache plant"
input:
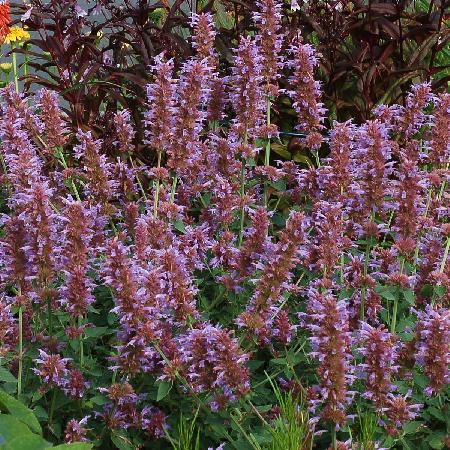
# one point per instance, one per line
(154, 290)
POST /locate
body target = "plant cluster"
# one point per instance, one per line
(215, 299)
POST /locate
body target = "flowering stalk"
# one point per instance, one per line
(327, 319)
(433, 347)
(269, 40)
(159, 117)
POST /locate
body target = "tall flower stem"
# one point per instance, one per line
(395, 308)
(52, 407)
(174, 189)
(15, 69)
(138, 179)
(444, 184)
(416, 252)
(333, 437)
(242, 192)
(72, 183)
(49, 316)
(363, 289)
(80, 322)
(267, 153)
(20, 357)
(158, 187)
(445, 257)
(442, 266)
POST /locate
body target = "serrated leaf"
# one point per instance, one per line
(19, 411)
(387, 292)
(163, 389)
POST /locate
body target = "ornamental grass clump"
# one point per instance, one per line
(250, 297)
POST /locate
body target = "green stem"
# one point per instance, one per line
(138, 179)
(5, 171)
(445, 257)
(333, 436)
(416, 252)
(158, 186)
(49, 317)
(242, 216)
(174, 188)
(395, 308)
(316, 156)
(25, 63)
(15, 71)
(52, 407)
(80, 322)
(391, 217)
(19, 375)
(267, 153)
(242, 193)
(444, 184)
(72, 183)
(363, 289)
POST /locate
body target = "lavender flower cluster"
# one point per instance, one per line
(357, 271)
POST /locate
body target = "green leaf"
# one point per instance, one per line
(15, 435)
(387, 292)
(438, 414)
(420, 380)
(179, 225)
(439, 290)
(279, 361)
(75, 446)
(411, 427)
(19, 411)
(436, 441)
(163, 389)
(409, 296)
(99, 400)
(223, 19)
(121, 441)
(7, 376)
(10, 427)
(28, 441)
(96, 332)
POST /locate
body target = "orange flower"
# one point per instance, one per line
(5, 19)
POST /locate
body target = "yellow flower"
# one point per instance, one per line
(5, 67)
(16, 34)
